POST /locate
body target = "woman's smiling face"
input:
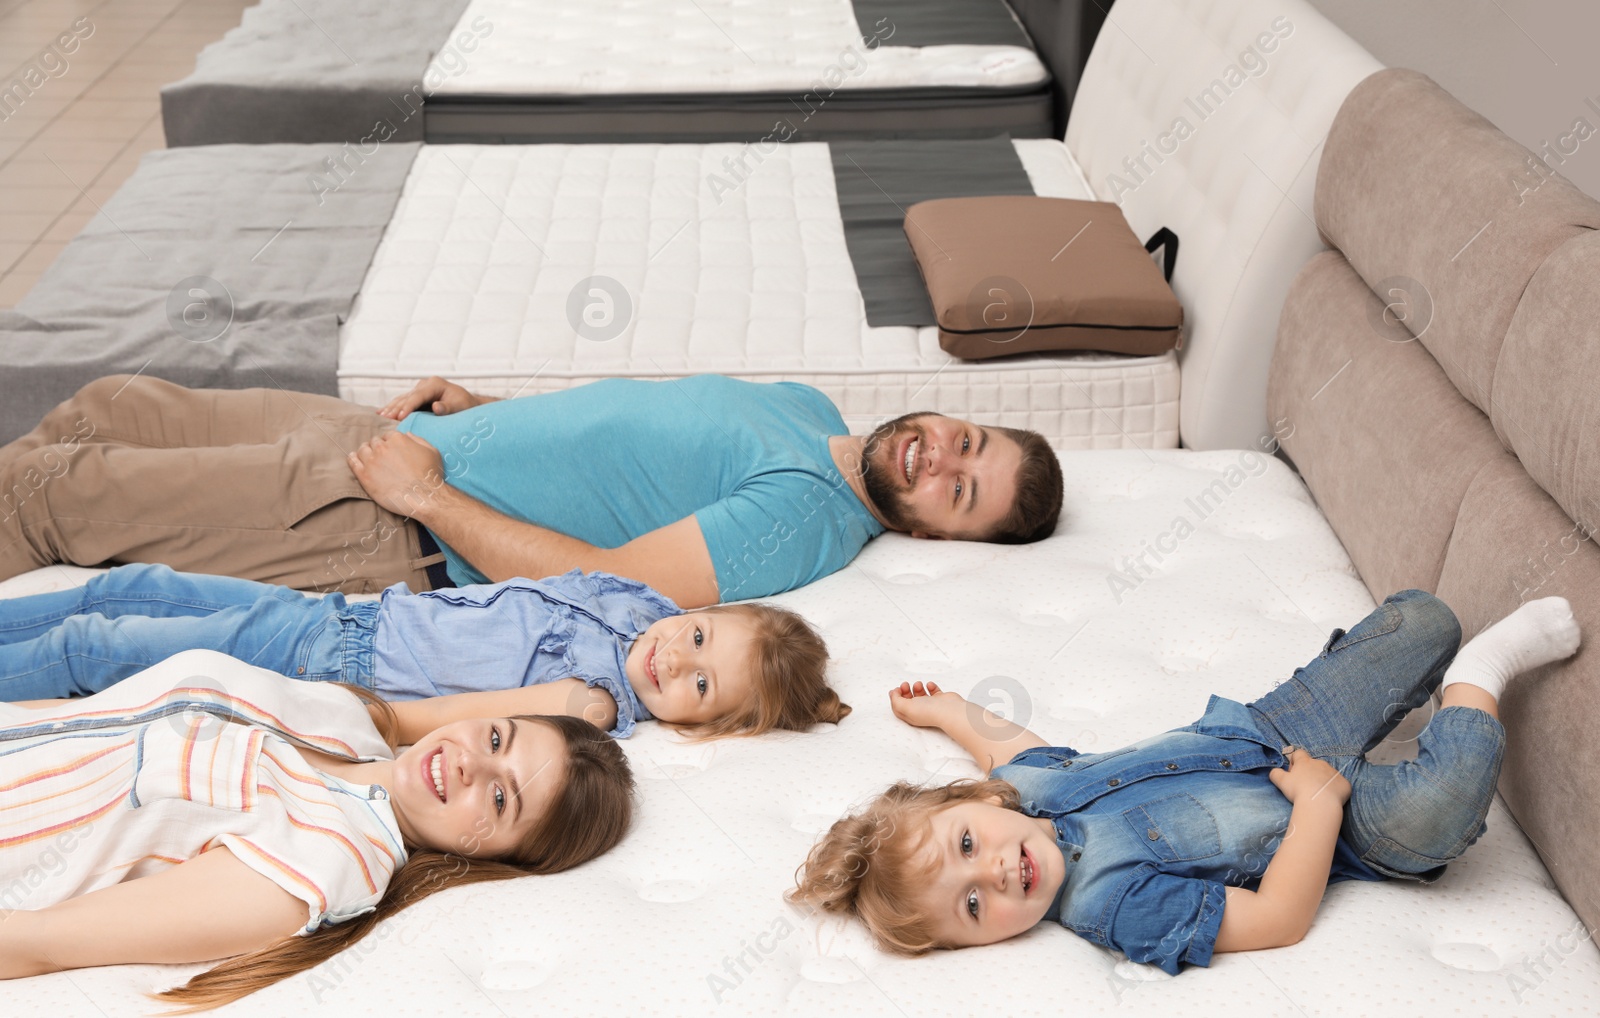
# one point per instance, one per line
(477, 787)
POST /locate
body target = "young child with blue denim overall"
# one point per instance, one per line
(597, 646)
(1220, 836)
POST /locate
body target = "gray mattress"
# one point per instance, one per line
(347, 70)
(229, 266)
(233, 266)
(309, 71)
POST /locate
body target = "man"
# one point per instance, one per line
(706, 488)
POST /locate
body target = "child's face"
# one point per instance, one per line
(498, 777)
(693, 668)
(997, 873)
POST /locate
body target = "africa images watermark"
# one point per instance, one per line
(745, 562)
(1251, 62)
(851, 62)
(450, 62)
(419, 900)
(347, 563)
(52, 862)
(50, 62)
(1134, 570)
(1541, 164)
(54, 461)
(737, 965)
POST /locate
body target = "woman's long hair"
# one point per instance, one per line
(588, 817)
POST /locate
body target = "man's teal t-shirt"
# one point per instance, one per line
(609, 461)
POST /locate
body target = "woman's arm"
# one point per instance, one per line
(211, 907)
(1280, 911)
(38, 704)
(988, 738)
(567, 696)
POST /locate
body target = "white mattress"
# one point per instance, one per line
(644, 47)
(693, 894)
(472, 278)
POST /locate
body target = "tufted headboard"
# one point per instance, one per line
(1436, 380)
(1207, 116)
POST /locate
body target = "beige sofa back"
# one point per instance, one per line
(1436, 381)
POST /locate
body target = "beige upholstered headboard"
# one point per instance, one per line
(1437, 381)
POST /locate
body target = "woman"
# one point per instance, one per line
(277, 812)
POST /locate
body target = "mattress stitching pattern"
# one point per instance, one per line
(728, 268)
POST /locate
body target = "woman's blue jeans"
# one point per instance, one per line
(1408, 819)
(76, 642)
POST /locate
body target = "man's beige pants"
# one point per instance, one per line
(237, 482)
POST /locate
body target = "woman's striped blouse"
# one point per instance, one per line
(197, 752)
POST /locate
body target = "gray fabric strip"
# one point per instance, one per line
(846, 114)
(878, 180)
(228, 266)
(939, 23)
(319, 70)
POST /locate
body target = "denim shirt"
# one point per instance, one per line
(516, 633)
(1151, 834)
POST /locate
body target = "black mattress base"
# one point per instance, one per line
(879, 113)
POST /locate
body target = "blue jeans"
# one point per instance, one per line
(1409, 819)
(76, 642)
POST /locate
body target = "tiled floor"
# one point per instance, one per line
(76, 128)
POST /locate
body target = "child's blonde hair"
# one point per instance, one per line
(789, 665)
(868, 864)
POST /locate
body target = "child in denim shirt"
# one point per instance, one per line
(605, 648)
(1221, 836)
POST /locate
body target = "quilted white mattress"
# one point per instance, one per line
(639, 47)
(475, 275)
(685, 917)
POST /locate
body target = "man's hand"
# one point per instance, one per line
(1307, 778)
(923, 705)
(401, 472)
(434, 394)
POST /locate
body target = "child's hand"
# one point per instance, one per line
(922, 704)
(1308, 777)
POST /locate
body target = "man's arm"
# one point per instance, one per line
(212, 906)
(571, 697)
(673, 559)
(1279, 912)
(437, 396)
(988, 738)
(405, 475)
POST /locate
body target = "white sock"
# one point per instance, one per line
(1535, 634)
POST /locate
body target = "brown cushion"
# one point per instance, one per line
(1015, 274)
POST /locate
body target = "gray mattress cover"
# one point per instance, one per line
(229, 266)
(312, 70)
(941, 22)
(878, 181)
(348, 70)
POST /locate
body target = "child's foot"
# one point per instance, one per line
(1535, 634)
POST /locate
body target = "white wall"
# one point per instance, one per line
(1527, 65)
